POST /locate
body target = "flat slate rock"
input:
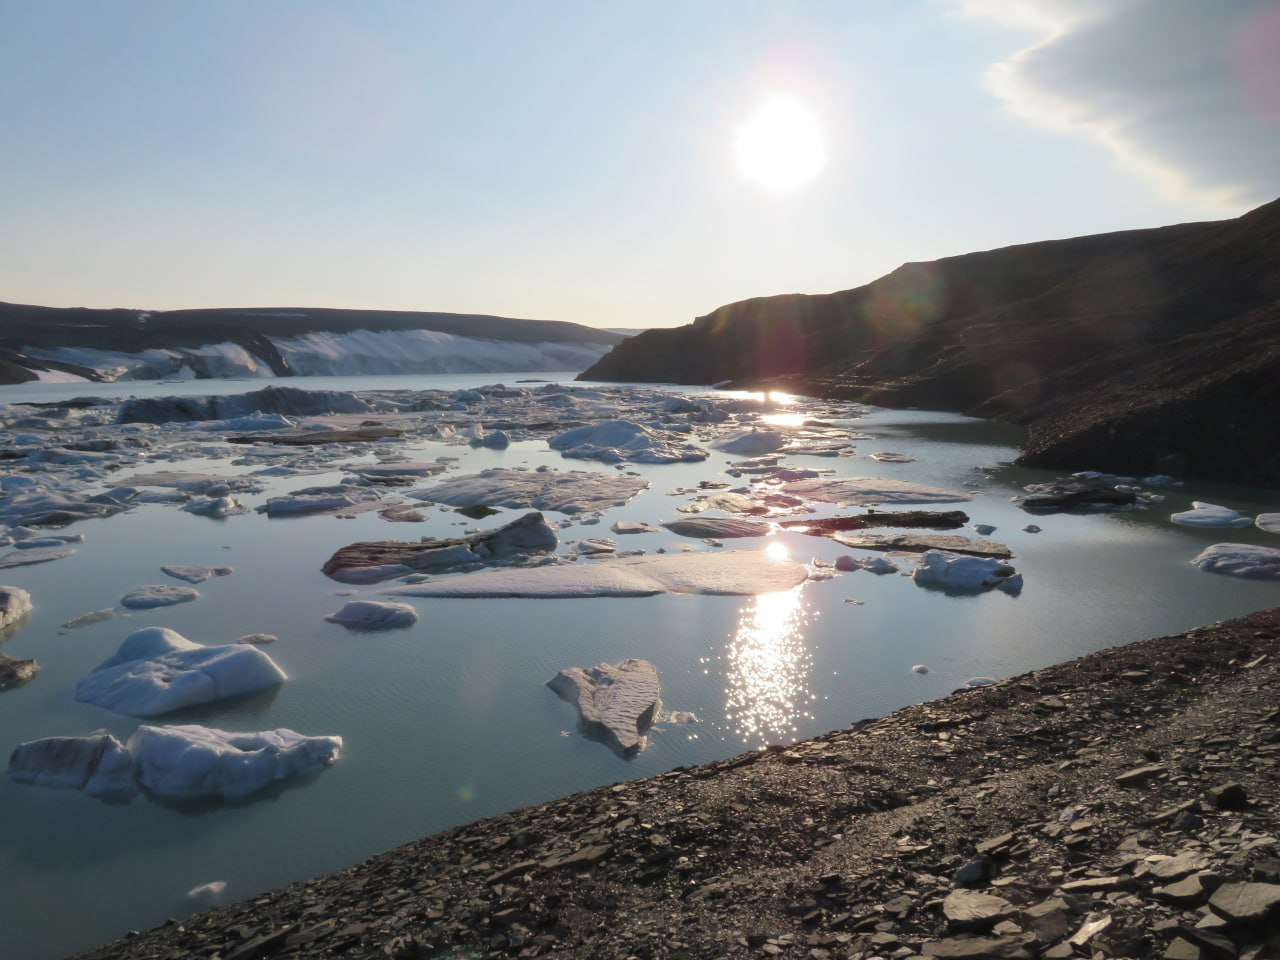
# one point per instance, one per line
(1246, 902)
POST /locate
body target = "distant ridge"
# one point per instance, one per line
(36, 338)
(1141, 351)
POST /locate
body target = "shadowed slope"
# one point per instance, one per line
(1134, 351)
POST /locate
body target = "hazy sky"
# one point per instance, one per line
(609, 163)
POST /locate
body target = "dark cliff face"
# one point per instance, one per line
(1133, 351)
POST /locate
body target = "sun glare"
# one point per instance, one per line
(781, 147)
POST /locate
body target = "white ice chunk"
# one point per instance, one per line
(216, 507)
(15, 603)
(207, 894)
(1210, 515)
(1270, 522)
(193, 573)
(953, 571)
(862, 490)
(374, 615)
(728, 573)
(98, 764)
(616, 441)
(751, 442)
(877, 564)
(703, 527)
(158, 595)
(157, 670)
(196, 761)
(1241, 560)
(617, 703)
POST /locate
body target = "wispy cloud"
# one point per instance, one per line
(1185, 93)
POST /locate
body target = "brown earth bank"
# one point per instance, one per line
(1138, 352)
(1119, 805)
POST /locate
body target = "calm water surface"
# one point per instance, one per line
(450, 721)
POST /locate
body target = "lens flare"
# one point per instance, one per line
(782, 147)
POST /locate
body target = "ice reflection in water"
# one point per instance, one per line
(768, 669)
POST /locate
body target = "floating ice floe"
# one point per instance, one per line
(218, 508)
(703, 527)
(374, 561)
(342, 498)
(259, 421)
(951, 571)
(617, 704)
(290, 401)
(26, 558)
(1211, 515)
(193, 573)
(876, 564)
(207, 894)
(58, 508)
(870, 490)
(1241, 560)
(157, 670)
(619, 441)
(397, 469)
(624, 527)
(158, 595)
(374, 615)
(14, 672)
(1270, 522)
(572, 492)
(15, 606)
(751, 442)
(729, 501)
(595, 546)
(175, 762)
(728, 573)
(885, 456)
(1086, 490)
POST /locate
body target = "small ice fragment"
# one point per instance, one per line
(1210, 515)
(207, 894)
(374, 615)
(920, 668)
(1031, 528)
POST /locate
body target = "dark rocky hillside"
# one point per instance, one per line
(1141, 351)
(132, 331)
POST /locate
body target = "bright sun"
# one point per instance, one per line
(781, 146)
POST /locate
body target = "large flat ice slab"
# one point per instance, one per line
(571, 492)
(617, 704)
(178, 761)
(864, 490)
(729, 573)
(1241, 560)
(157, 670)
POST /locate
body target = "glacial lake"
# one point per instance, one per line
(450, 720)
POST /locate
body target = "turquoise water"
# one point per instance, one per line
(450, 720)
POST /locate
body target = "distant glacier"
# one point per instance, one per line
(357, 353)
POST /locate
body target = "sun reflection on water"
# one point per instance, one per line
(768, 669)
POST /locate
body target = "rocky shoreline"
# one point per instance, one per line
(1120, 805)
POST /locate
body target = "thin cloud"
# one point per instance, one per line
(1186, 93)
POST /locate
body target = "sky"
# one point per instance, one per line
(614, 164)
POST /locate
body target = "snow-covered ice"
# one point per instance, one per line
(374, 615)
(1211, 515)
(1241, 560)
(953, 571)
(98, 764)
(751, 442)
(876, 564)
(617, 704)
(157, 670)
(1270, 522)
(727, 573)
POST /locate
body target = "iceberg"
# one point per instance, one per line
(1270, 522)
(175, 762)
(1210, 515)
(196, 761)
(157, 670)
(619, 441)
(374, 615)
(1241, 560)
(15, 606)
(965, 574)
(617, 704)
(731, 573)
